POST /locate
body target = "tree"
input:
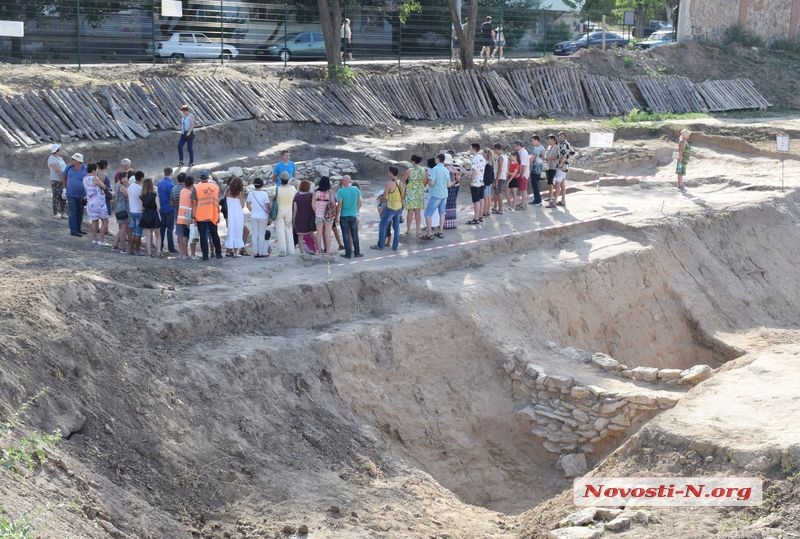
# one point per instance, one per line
(466, 33)
(330, 19)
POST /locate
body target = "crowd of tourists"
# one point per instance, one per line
(174, 214)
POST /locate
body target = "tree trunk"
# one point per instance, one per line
(330, 19)
(466, 36)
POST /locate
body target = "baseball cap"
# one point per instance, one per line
(205, 174)
(448, 159)
(77, 157)
(55, 147)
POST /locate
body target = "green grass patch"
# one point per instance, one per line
(639, 116)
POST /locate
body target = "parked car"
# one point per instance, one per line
(192, 45)
(655, 26)
(594, 39)
(304, 45)
(657, 39)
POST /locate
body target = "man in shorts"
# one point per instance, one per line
(487, 38)
(524, 175)
(551, 156)
(501, 178)
(440, 181)
(476, 187)
(564, 153)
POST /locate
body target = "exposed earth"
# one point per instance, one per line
(395, 396)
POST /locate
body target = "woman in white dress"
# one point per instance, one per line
(234, 243)
(96, 207)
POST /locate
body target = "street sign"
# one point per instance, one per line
(12, 29)
(628, 18)
(601, 140)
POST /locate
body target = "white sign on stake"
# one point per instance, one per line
(601, 140)
(782, 142)
(12, 28)
(171, 8)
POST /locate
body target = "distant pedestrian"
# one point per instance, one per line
(188, 123)
(347, 40)
(350, 201)
(487, 38)
(284, 165)
(684, 152)
(166, 211)
(75, 192)
(56, 166)
(258, 205)
(234, 201)
(499, 42)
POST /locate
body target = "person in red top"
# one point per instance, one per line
(205, 211)
(513, 180)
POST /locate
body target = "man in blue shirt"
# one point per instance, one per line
(164, 189)
(349, 198)
(439, 177)
(286, 165)
(73, 181)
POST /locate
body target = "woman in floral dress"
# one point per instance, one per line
(415, 179)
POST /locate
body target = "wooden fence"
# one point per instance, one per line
(135, 109)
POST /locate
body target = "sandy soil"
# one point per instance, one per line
(249, 398)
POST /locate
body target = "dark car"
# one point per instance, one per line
(655, 26)
(594, 39)
(303, 45)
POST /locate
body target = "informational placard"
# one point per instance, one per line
(628, 18)
(171, 8)
(601, 140)
(12, 29)
(782, 143)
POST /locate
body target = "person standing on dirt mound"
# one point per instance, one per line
(188, 123)
(684, 152)
(285, 165)
(205, 211)
(56, 164)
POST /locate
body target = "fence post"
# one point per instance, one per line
(399, 40)
(221, 32)
(285, 31)
(78, 22)
(153, 31)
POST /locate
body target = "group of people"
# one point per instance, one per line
(492, 40)
(176, 213)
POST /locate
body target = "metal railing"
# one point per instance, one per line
(88, 31)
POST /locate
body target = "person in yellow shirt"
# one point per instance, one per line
(205, 211)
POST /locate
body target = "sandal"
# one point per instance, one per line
(496, 212)
(426, 237)
(470, 222)
(439, 235)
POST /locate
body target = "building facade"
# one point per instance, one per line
(708, 19)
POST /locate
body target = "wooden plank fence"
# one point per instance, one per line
(722, 95)
(135, 109)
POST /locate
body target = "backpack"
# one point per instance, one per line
(330, 208)
(488, 175)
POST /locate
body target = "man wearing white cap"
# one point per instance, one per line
(73, 182)
(56, 164)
